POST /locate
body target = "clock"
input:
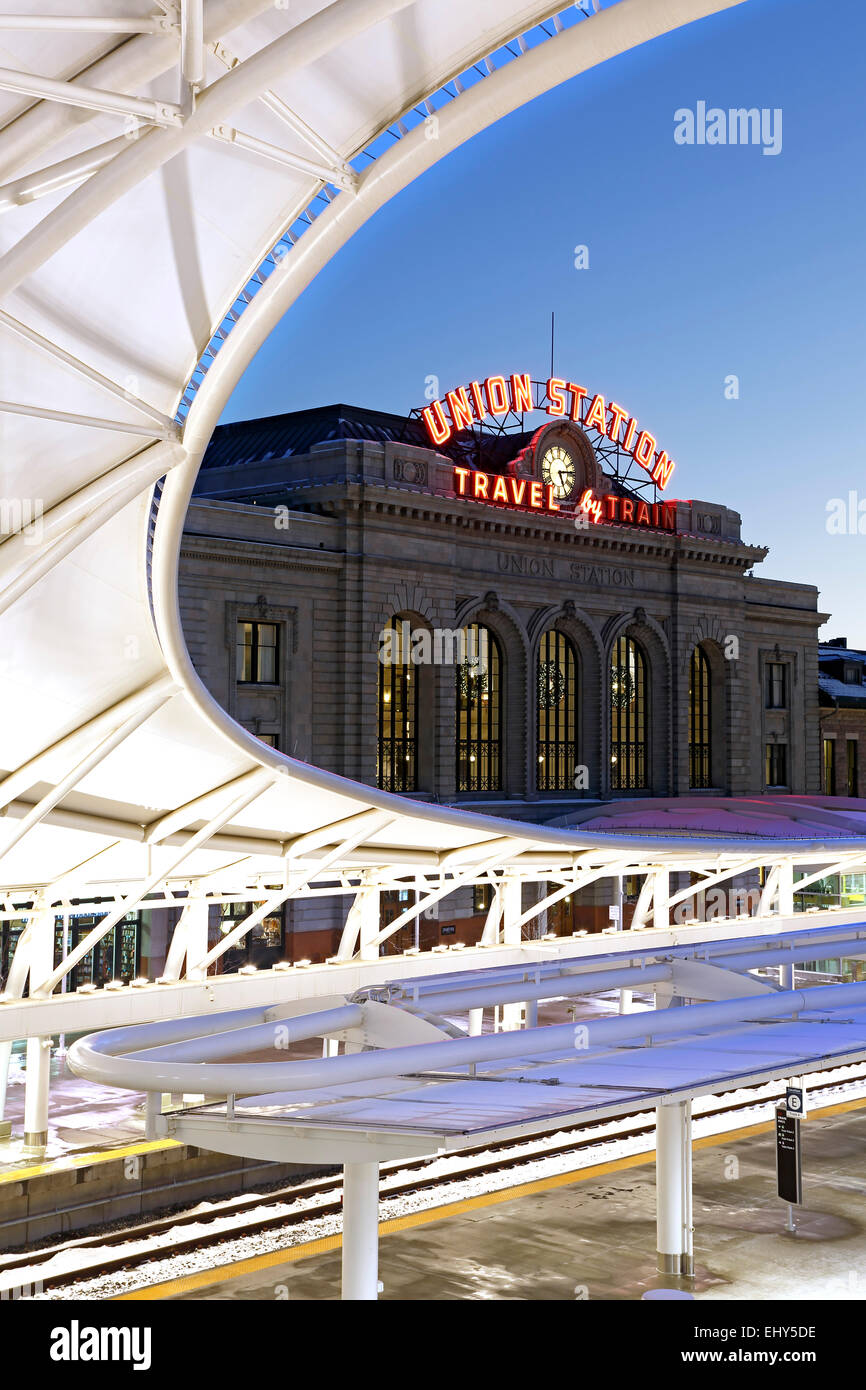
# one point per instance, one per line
(558, 470)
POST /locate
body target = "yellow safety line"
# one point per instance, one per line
(220, 1274)
(72, 1161)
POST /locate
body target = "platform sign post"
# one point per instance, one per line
(789, 1162)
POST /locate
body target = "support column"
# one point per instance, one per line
(476, 1022)
(674, 1188)
(786, 888)
(360, 1232)
(661, 899)
(362, 922)
(512, 900)
(38, 1074)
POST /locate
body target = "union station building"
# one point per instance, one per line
(499, 602)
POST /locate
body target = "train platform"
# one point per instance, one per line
(84, 1118)
(592, 1236)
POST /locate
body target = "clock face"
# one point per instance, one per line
(557, 469)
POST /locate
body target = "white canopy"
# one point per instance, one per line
(171, 181)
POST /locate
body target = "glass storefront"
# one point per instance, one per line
(261, 946)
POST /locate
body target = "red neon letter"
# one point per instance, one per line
(644, 450)
(595, 415)
(577, 395)
(669, 516)
(664, 467)
(627, 509)
(460, 476)
(611, 502)
(521, 393)
(552, 504)
(555, 398)
(461, 411)
(500, 493)
(481, 485)
(518, 488)
(535, 493)
(475, 388)
(497, 401)
(617, 417)
(438, 427)
(629, 435)
(643, 514)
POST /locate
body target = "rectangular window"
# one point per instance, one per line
(828, 749)
(777, 685)
(776, 765)
(851, 767)
(257, 653)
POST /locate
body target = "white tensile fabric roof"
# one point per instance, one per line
(138, 277)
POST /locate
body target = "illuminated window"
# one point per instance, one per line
(628, 716)
(482, 897)
(851, 767)
(257, 653)
(828, 747)
(398, 711)
(700, 770)
(479, 713)
(556, 698)
(777, 685)
(776, 765)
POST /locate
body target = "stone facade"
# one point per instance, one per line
(330, 543)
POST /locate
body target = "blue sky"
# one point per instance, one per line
(704, 261)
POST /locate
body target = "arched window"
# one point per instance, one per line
(556, 699)
(628, 716)
(479, 712)
(700, 742)
(397, 710)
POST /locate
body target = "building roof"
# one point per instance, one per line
(833, 690)
(296, 433)
(771, 816)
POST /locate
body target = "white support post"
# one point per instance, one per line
(368, 907)
(768, 892)
(511, 1015)
(360, 1232)
(152, 1108)
(476, 1022)
(786, 888)
(625, 995)
(361, 928)
(674, 1188)
(642, 907)
(661, 897)
(38, 1075)
(194, 921)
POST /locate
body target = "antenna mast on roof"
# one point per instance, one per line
(552, 326)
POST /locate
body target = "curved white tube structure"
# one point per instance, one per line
(122, 1057)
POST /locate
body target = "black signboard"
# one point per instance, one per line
(789, 1167)
(794, 1100)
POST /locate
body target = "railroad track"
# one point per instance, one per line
(294, 1205)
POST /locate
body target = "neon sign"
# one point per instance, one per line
(499, 395)
(633, 511)
(513, 492)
